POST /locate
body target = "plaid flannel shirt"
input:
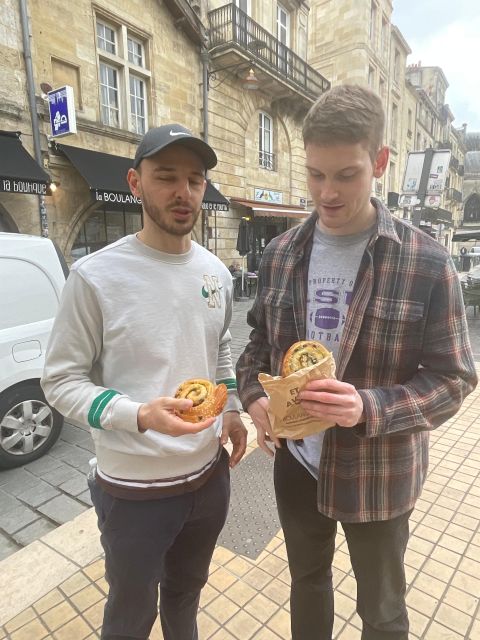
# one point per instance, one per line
(405, 347)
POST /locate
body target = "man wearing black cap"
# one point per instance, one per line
(137, 319)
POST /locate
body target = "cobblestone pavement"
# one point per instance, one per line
(37, 498)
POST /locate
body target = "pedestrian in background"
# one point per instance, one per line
(385, 298)
(137, 319)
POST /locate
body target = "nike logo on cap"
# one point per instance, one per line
(178, 133)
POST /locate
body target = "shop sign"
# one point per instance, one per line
(266, 195)
(116, 197)
(61, 104)
(13, 185)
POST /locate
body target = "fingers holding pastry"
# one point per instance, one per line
(303, 354)
(208, 399)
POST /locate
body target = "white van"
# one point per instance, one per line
(32, 274)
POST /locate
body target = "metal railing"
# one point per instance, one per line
(455, 194)
(266, 160)
(230, 25)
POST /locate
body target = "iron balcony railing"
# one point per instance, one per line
(266, 160)
(228, 25)
(455, 195)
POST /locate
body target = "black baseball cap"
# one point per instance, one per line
(161, 137)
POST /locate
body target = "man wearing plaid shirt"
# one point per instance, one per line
(385, 298)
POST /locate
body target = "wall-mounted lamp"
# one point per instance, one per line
(248, 81)
(45, 88)
(52, 187)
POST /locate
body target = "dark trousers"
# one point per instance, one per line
(376, 551)
(167, 543)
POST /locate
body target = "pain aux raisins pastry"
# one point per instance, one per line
(208, 399)
(304, 353)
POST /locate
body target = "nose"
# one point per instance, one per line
(183, 190)
(329, 191)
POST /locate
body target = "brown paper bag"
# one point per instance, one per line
(287, 418)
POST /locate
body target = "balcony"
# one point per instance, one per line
(455, 195)
(266, 160)
(444, 144)
(454, 163)
(235, 39)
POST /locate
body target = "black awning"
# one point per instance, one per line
(105, 174)
(213, 200)
(463, 235)
(19, 172)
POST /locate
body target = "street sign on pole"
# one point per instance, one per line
(61, 106)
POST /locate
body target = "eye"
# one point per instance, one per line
(347, 176)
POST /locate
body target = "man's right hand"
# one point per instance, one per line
(159, 415)
(258, 413)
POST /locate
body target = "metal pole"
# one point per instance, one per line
(27, 54)
(204, 59)
(422, 187)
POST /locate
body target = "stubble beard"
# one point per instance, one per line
(159, 217)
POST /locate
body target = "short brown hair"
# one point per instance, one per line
(346, 114)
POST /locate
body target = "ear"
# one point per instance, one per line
(381, 162)
(133, 180)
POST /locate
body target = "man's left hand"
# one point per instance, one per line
(333, 400)
(234, 429)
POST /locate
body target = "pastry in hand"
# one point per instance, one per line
(303, 354)
(208, 399)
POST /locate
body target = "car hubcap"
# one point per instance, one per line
(25, 427)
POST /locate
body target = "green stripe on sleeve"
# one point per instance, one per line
(98, 405)
(231, 383)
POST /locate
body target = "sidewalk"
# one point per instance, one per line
(55, 587)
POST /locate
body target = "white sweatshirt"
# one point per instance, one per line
(133, 324)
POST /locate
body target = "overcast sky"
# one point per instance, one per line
(446, 34)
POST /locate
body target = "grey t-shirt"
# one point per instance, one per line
(334, 263)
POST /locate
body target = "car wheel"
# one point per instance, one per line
(29, 426)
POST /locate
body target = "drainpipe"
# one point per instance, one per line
(27, 54)
(204, 59)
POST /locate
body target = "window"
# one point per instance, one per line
(396, 65)
(283, 36)
(124, 77)
(391, 177)
(106, 38)
(409, 124)
(382, 90)
(137, 104)
(394, 130)
(135, 52)
(384, 38)
(373, 23)
(109, 100)
(103, 227)
(265, 142)
(371, 77)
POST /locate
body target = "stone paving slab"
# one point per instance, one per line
(247, 598)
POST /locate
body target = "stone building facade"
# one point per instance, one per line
(134, 64)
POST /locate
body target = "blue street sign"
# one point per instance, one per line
(62, 111)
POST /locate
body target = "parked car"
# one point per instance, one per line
(32, 274)
(473, 277)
